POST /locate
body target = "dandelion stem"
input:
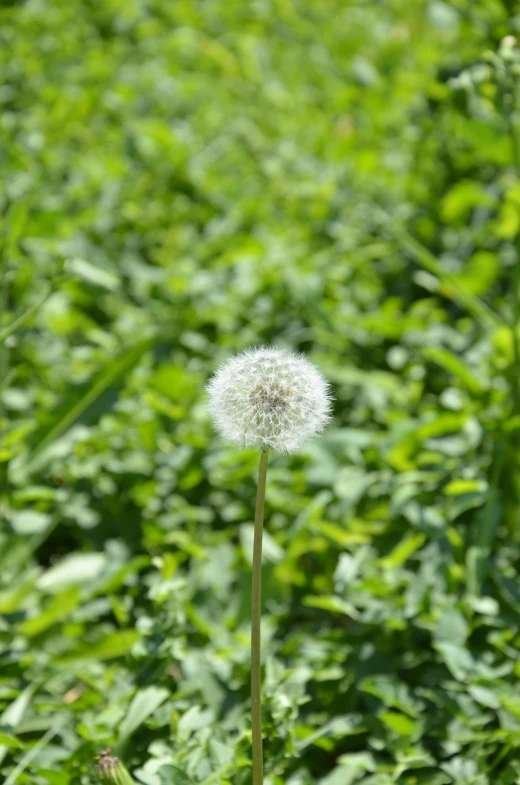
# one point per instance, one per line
(256, 600)
(515, 320)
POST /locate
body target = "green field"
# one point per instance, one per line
(182, 179)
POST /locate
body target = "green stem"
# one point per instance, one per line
(256, 612)
(4, 371)
(516, 337)
(515, 371)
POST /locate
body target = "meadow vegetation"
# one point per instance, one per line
(182, 180)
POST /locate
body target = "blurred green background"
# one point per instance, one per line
(182, 180)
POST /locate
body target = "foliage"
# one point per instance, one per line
(183, 180)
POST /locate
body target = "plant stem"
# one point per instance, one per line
(256, 612)
(4, 371)
(514, 330)
(515, 142)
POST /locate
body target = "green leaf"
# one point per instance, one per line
(332, 604)
(29, 521)
(351, 767)
(481, 271)
(455, 366)
(118, 579)
(6, 740)
(351, 482)
(392, 693)
(484, 696)
(24, 317)
(408, 545)
(33, 752)
(54, 777)
(339, 535)
(143, 704)
(74, 570)
(460, 487)
(451, 627)
(171, 775)
(398, 723)
(94, 274)
(452, 286)
(458, 660)
(58, 608)
(75, 406)
(14, 714)
(11, 598)
(16, 220)
(462, 198)
(432, 778)
(115, 645)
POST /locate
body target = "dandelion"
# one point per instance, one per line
(271, 399)
(111, 771)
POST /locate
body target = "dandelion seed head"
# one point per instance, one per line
(269, 398)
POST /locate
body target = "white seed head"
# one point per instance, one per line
(270, 399)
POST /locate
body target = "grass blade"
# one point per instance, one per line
(455, 366)
(74, 407)
(31, 754)
(14, 714)
(453, 286)
(19, 321)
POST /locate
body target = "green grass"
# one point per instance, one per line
(183, 180)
